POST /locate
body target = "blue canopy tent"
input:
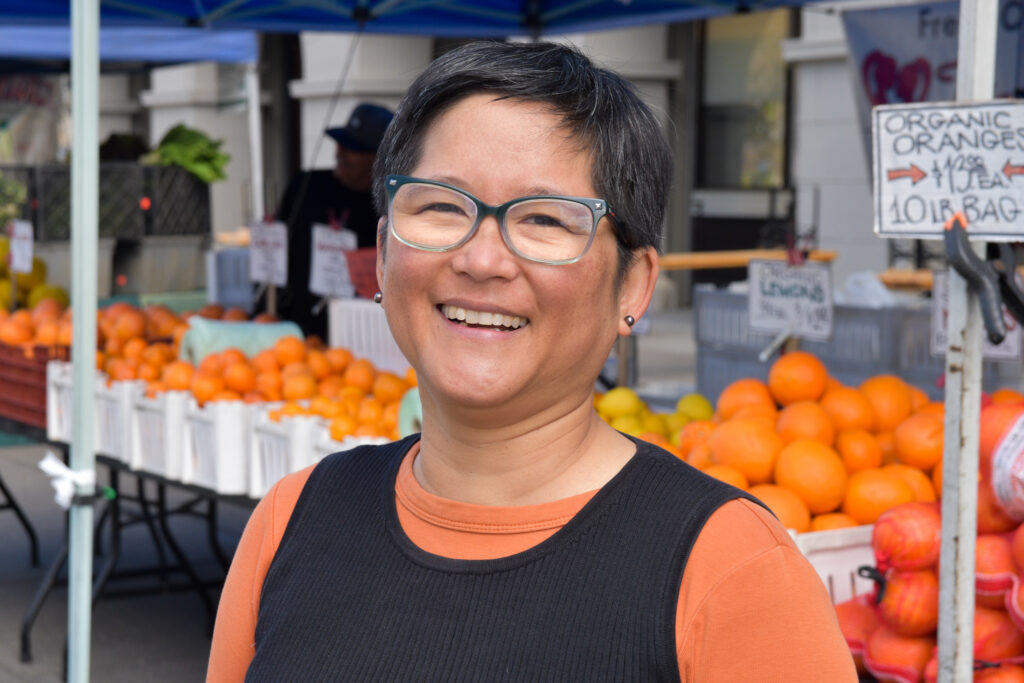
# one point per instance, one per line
(450, 18)
(442, 18)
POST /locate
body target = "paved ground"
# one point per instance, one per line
(163, 636)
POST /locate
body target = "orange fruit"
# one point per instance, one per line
(360, 373)
(935, 409)
(700, 456)
(918, 441)
(123, 369)
(693, 433)
(240, 377)
(289, 349)
(831, 384)
(1006, 395)
(153, 388)
(65, 333)
(918, 398)
(869, 493)
(658, 440)
(742, 392)
(265, 318)
(211, 311)
(255, 396)
(805, 420)
(410, 377)
(996, 421)
(14, 332)
(205, 386)
(763, 410)
(832, 520)
(149, 372)
(389, 420)
(47, 332)
(101, 360)
(46, 310)
(270, 384)
(917, 480)
(226, 395)
(330, 386)
(129, 323)
(858, 450)
(887, 444)
(937, 479)
(213, 364)
(367, 429)
(848, 408)
(785, 505)
(797, 376)
(177, 375)
(728, 474)
(338, 358)
(318, 363)
(264, 361)
(133, 348)
(298, 387)
(297, 368)
(157, 354)
(342, 426)
(748, 445)
(234, 314)
(315, 342)
(231, 355)
(388, 387)
(890, 399)
(813, 471)
(370, 410)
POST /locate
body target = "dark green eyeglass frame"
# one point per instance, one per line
(598, 210)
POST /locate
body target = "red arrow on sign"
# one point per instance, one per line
(914, 173)
(1010, 170)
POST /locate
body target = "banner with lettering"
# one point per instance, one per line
(908, 54)
(31, 109)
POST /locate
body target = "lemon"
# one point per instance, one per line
(620, 401)
(695, 407)
(5, 294)
(675, 422)
(26, 281)
(47, 291)
(655, 422)
(629, 424)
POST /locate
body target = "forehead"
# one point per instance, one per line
(488, 136)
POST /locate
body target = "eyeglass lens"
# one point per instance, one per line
(438, 217)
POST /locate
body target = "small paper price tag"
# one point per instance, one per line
(328, 270)
(268, 253)
(1008, 349)
(797, 298)
(20, 233)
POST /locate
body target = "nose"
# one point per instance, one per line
(485, 255)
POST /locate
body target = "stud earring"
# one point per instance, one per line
(378, 297)
(630, 320)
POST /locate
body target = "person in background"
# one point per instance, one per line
(519, 537)
(340, 196)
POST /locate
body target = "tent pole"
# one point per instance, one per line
(975, 82)
(252, 88)
(85, 69)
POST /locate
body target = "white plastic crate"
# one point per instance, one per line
(58, 401)
(112, 407)
(836, 555)
(360, 326)
(216, 446)
(157, 433)
(279, 448)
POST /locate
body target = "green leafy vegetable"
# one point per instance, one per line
(192, 150)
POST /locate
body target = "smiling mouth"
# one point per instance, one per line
(483, 319)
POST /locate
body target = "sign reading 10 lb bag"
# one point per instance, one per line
(797, 299)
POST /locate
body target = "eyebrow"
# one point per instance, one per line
(529, 192)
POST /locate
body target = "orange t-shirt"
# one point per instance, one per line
(750, 608)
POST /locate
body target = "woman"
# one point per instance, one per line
(519, 537)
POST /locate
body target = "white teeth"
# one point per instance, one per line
(483, 317)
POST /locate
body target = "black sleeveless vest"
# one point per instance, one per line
(348, 597)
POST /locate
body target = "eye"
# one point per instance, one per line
(442, 207)
(543, 220)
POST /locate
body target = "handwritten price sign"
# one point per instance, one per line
(268, 254)
(794, 298)
(328, 270)
(931, 161)
(20, 234)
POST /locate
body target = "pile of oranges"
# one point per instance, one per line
(820, 454)
(48, 323)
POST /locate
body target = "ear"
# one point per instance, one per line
(382, 235)
(638, 287)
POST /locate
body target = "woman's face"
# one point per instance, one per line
(500, 150)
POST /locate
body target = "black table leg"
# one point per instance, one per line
(161, 492)
(211, 528)
(37, 601)
(140, 487)
(12, 504)
(115, 536)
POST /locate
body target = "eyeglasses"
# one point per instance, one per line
(434, 216)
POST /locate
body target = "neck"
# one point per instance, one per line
(552, 458)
